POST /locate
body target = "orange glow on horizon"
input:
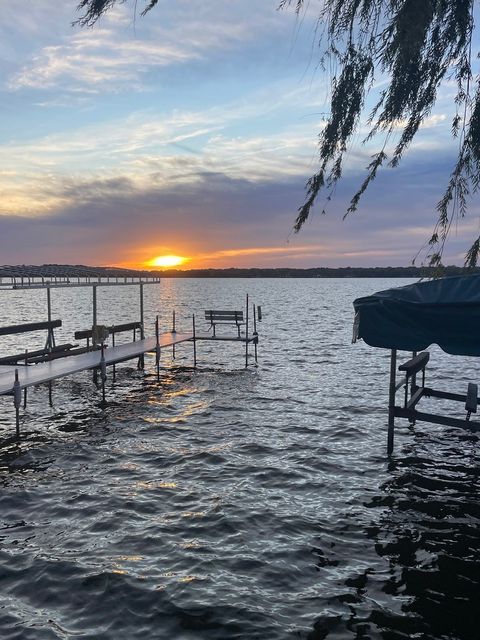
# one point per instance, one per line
(165, 262)
(238, 257)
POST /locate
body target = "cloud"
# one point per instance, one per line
(120, 51)
(176, 149)
(223, 221)
(96, 62)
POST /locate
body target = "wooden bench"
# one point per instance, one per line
(40, 355)
(30, 326)
(231, 318)
(50, 351)
(87, 334)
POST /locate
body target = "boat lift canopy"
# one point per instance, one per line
(411, 318)
(445, 312)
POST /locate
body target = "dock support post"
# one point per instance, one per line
(413, 381)
(94, 305)
(194, 343)
(157, 348)
(255, 334)
(114, 370)
(391, 401)
(50, 341)
(50, 336)
(17, 400)
(246, 334)
(103, 373)
(141, 359)
(25, 390)
(174, 330)
(142, 332)
(94, 321)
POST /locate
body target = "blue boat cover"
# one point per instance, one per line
(444, 311)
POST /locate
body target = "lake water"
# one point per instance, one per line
(227, 503)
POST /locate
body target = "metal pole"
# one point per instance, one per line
(94, 308)
(194, 344)
(413, 382)
(255, 334)
(25, 390)
(103, 373)
(50, 335)
(157, 348)
(94, 333)
(49, 318)
(246, 334)
(49, 305)
(391, 401)
(114, 370)
(17, 400)
(174, 330)
(142, 333)
(141, 359)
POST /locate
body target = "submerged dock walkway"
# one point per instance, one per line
(48, 371)
(29, 376)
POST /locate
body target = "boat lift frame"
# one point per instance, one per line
(414, 392)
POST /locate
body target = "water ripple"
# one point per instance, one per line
(228, 504)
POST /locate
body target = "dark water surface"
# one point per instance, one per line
(228, 503)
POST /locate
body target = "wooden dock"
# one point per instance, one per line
(26, 369)
(48, 371)
(29, 376)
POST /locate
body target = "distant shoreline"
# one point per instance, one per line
(317, 272)
(73, 271)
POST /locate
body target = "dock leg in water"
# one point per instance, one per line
(194, 344)
(391, 401)
(94, 320)
(114, 370)
(157, 349)
(174, 330)
(255, 334)
(246, 334)
(103, 373)
(25, 390)
(50, 387)
(17, 401)
(141, 359)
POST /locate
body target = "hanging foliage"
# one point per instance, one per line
(92, 10)
(416, 45)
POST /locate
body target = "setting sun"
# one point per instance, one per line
(166, 261)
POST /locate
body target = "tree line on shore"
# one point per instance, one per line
(320, 272)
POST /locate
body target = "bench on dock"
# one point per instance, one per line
(232, 318)
(50, 350)
(88, 334)
(40, 355)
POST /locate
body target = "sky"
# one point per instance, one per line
(191, 132)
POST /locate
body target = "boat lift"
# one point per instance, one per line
(445, 312)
